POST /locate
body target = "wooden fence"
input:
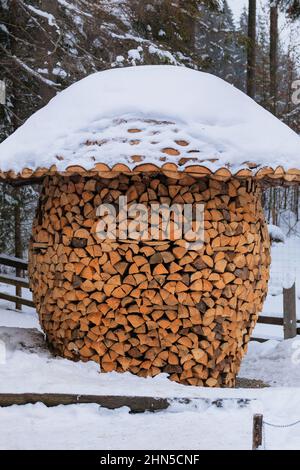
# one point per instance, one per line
(19, 282)
(289, 320)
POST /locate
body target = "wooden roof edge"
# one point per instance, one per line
(268, 176)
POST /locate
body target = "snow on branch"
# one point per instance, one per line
(69, 6)
(163, 54)
(34, 73)
(49, 17)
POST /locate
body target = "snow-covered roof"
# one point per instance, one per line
(149, 117)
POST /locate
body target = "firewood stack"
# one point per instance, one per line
(151, 306)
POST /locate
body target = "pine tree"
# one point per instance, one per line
(217, 43)
(241, 54)
(251, 56)
(263, 59)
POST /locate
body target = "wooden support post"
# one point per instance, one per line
(289, 312)
(257, 431)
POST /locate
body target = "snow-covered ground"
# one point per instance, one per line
(29, 367)
(90, 427)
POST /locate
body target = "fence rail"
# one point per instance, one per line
(13, 262)
(14, 281)
(279, 321)
(18, 282)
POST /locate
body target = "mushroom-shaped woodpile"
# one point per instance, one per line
(157, 135)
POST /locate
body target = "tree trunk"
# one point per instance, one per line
(274, 208)
(273, 56)
(18, 241)
(251, 65)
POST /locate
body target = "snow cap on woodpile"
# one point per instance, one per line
(149, 117)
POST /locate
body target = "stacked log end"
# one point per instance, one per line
(149, 307)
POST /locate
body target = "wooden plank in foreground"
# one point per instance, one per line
(136, 404)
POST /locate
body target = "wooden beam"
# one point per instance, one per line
(13, 262)
(136, 404)
(39, 246)
(14, 281)
(26, 181)
(14, 298)
(270, 320)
